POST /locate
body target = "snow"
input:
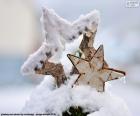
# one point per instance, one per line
(12, 99)
(57, 32)
(48, 99)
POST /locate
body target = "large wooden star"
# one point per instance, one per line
(92, 71)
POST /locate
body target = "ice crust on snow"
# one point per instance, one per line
(47, 99)
(57, 32)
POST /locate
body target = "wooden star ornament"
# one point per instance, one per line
(92, 71)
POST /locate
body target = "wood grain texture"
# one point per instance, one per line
(92, 72)
(56, 70)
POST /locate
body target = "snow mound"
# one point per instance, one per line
(48, 99)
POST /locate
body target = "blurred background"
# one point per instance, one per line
(20, 35)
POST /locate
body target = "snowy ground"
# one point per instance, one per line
(13, 99)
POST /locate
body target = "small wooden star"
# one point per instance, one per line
(92, 71)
